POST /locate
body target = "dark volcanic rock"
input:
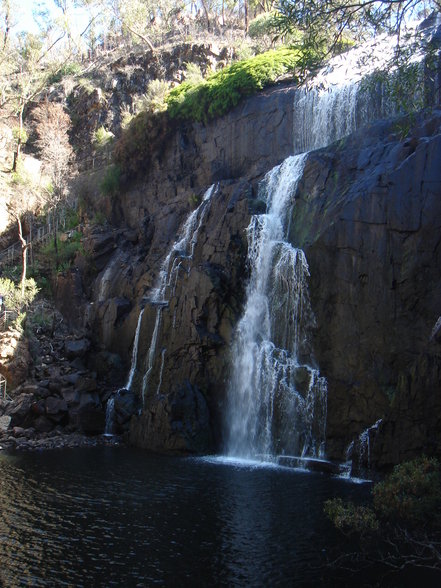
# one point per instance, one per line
(367, 215)
(176, 423)
(77, 348)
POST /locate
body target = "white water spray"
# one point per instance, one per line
(181, 251)
(277, 400)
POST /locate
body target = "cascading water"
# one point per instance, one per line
(348, 92)
(110, 417)
(277, 399)
(110, 406)
(134, 353)
(181, 250)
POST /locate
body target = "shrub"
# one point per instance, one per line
(102, 138)
(142, 140)
(349, 518)
(12, 295)
(223, 90)
(68, 69)
(111, 181)
(411, 494)
(264, 24)
(154, 99)
(66, 251)
(193, 73)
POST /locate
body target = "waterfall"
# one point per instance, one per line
(277, 398)
(182, 250)
(364, 445)
(351, 90)
(134, 352)
(110, 416)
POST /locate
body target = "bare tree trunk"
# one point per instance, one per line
(207, 16)
(24, 255)
(19, 139)
(245, 10)
(55, 243)
(142, 37)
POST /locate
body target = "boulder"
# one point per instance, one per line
(76, 348)
(126, 405)
(5, 422)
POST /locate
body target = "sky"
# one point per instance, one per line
(26, 20)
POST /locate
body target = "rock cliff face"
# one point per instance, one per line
(368, 217)
(367, 214)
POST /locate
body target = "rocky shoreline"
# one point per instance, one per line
(29, 440)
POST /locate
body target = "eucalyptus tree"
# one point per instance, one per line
(327, 20)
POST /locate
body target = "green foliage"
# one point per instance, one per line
(66, 252)
(411, 494)
(68, 69)
(193, 73)
(154, 99)
(223, 90)
(71, 218)
(86, 84)
(99, 219)
(102, 138)
(194, 200)
(264, 24)
(410, 497)
(20, 135)
(110, 183)
(39, 321)
(349, 518)
(142, 140)
(20, 177)
(402, 87)
(12, 294)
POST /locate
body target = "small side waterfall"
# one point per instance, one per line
(110, 406)
(277, 398)
(134, 352)
(182, 250)
(110, 417)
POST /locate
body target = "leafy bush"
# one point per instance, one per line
(111, 182)
(72, 219)
(154, 99)
(102, 138)
(264, 24)
(223, 90)
(12, 296)
(20, 135)
(193, 73)
(68, 69)
(411, 494)
(66, 251)
(350, 518)
(403, 525)
(142, 139)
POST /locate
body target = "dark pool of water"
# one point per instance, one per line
(121, 517)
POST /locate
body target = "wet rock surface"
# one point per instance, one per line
(367, 216)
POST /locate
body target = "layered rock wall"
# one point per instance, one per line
(367, 215)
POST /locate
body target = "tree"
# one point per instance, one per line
(52, 127)
(320, 18)
(402, 527)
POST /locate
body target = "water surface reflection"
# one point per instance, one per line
(121, 517)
